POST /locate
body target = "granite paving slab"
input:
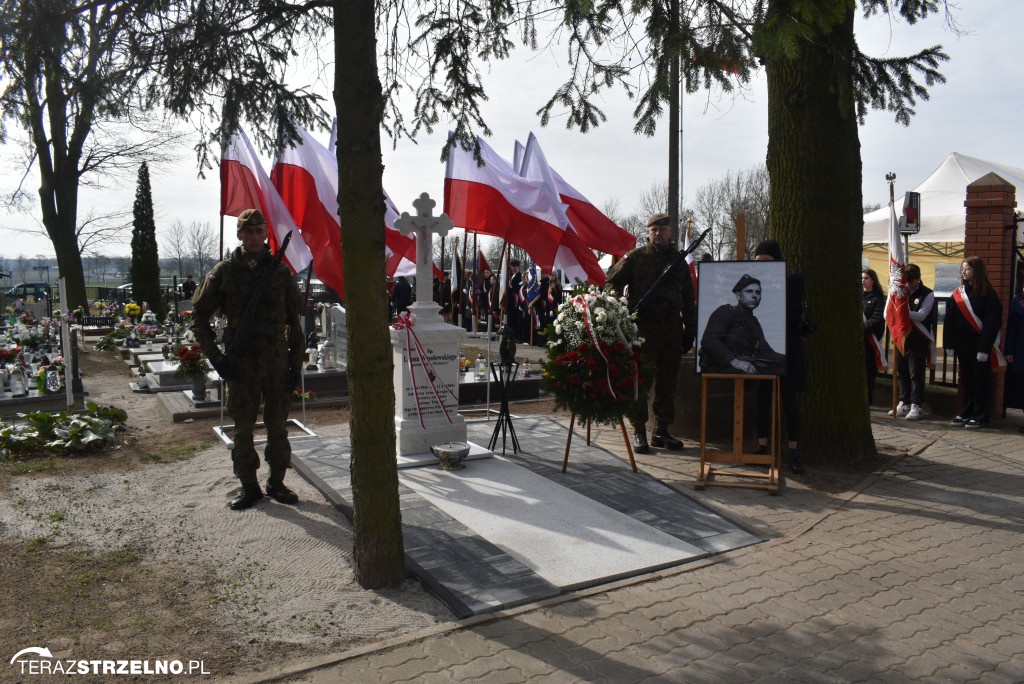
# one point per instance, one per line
(515, 529)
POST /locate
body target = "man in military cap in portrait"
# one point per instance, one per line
(270, 363)
(733, 340)
(666, 322)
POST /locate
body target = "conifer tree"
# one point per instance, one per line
(145, 268)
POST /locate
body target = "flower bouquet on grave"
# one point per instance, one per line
(12, 355)
(593, 367)
(122, 330)
(131, 310)
(191, 361)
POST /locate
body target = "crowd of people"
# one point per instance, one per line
(267, 364)
(970, 333)
(478, 302)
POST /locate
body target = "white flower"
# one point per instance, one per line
(558, 328)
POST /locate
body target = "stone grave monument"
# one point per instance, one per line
(331, 381)
(425, 351)
(337, 332)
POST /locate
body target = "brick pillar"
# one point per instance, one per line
(989, 235)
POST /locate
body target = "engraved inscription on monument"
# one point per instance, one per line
(438, 378)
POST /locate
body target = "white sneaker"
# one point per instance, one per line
(915, 412)
(901, 410)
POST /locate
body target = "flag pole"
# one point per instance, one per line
(503, 284)
(476, 298)
(462, 279)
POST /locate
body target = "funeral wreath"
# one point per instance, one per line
(593, 367)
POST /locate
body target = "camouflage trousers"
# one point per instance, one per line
(663, 347)
(260, 380)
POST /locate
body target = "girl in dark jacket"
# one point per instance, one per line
(1015, 355)
(973, 318)
(874, 324)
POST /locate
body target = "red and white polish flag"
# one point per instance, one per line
(245, 185)
(574, 257)
(306, 175)
(596, 230)
(897, 306)
(495, 200)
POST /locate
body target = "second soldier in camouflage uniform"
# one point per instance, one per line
(666, 322)
(271, 360)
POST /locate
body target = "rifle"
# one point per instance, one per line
(246, 326)
(679, 258)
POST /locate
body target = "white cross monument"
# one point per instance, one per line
(426, 356)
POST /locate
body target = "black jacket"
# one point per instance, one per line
(874, 312)
(959, 334)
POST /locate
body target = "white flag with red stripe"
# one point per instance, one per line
(897, 305)
(245, 185)
(494, 200)
(573, 257)
(596, 230)
(306, 175)
(399, 250)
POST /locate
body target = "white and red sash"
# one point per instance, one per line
(963, 302)
(881, 362)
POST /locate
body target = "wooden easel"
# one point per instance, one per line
(706, 475)
(568, 441)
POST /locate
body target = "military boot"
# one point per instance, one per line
(640, 441)
(281, 494)
(250, 494)
(661, 438)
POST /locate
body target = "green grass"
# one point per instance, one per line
(177, 453)
(25, 467)
(38, 543)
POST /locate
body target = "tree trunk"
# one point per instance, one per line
(58, 196)
(815, 199)
(377, 524)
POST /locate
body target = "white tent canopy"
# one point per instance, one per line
(942, 200)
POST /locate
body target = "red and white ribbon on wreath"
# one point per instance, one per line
(407, 321)
(636, 373)
(589, 326)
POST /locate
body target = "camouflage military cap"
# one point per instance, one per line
(251, 217)
(658, 220)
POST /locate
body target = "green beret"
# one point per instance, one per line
(251, 217)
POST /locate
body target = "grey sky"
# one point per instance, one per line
(978, 112)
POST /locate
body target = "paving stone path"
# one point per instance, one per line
(917, 576)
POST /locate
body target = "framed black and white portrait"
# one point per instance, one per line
(741, 317)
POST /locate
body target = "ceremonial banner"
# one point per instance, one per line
(897, 309)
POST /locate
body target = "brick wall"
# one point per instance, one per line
(989, 234)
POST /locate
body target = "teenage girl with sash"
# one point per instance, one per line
(973, 318)
(874, 328)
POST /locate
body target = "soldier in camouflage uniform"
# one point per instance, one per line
(666, 322)
(271, 362)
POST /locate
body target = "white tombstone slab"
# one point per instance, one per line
(426, 354)
(337, 329)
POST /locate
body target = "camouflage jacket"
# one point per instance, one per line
(228, 289)
(674, 298)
